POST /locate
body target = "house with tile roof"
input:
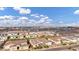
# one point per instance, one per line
(16, 45)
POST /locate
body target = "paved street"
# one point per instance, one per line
(61, 48)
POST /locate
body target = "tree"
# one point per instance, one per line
(8, 37)
(61, 41)
(17, 33)
(43, 36)
(1, 46)
(24, 36)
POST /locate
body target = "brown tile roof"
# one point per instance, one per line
(16, 42)
(38, 41)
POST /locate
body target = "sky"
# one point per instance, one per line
(39, 16)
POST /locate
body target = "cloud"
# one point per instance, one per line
(25, 11)
(73, 24)
(41, 20)
(16, 8)
(29, 20)
(76, 12)
(46, 17)
(44, 21)
(22, 10)
(35, 15)
(61, 22)
(6, 17)
(23, 18)
(12, 21)
(23, 21)
(2, 8)
(42, 16)
(8, 20)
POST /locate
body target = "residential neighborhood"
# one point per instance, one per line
(23, 40)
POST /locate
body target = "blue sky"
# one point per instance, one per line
(39, 16)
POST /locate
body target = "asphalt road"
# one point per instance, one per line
(61, 48)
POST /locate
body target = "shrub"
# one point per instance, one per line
(46, 46)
